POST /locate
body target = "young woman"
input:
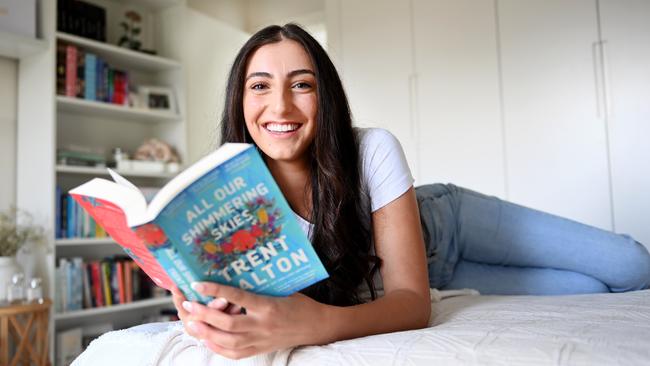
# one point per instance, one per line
(353, 193)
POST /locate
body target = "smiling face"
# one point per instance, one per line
(280, 100)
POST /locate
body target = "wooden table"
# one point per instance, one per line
(23, 329)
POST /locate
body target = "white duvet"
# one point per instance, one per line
(596, 329)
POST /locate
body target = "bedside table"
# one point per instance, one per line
(23, 329)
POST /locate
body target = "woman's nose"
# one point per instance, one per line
(282, 102)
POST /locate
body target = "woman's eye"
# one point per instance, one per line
(302, 85)
(258, 86)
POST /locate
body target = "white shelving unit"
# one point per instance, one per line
(88, 313)
(16, 46)
(113, 111)
(47, 121)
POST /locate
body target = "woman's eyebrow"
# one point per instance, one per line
(270, 76)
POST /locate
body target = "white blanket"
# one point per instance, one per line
(597, 329)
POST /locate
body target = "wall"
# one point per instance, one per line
(8, 91)
(206, 70)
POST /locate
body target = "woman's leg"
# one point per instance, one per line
(461, 226)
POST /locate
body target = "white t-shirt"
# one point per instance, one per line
(385, 176)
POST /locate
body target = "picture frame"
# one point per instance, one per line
(159, 98)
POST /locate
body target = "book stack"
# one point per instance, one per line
(76, 157)
(82, 19)
(82, 74)
(74, 222)
(96, 283)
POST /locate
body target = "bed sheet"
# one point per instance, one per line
(593, 329)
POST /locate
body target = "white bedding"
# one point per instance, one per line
(596, 329)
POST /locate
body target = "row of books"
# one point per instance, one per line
(72, 221)
(85, 75)
(81, 18)
(96, 283)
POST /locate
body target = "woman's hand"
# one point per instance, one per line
(269, 323)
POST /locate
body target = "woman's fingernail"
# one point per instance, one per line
(218, 303)
(193, 326)
(196, 286)
(187, 306)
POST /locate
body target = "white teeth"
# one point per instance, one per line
(282, 127)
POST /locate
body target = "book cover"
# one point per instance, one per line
(222, 220)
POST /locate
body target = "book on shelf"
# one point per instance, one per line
(86, 75)
(224, 219)
(96, 283)
(72, 221)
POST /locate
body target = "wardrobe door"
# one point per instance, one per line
(460, 135)
(555, 136)
(373, 49)
(625, 28)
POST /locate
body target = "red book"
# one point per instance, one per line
(96, 283)
(71, 71)
(119, 265)
(128, 280)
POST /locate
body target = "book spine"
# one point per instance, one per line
(119, 265)
(70, 218)
(90, 76)
(81, 67)
(57, 227)
(97, 283)
(87, 298)
(106, 282)
(64, 215)
(60, 68)
(71, 71)
(128, 281)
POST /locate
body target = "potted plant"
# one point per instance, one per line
(16, 230)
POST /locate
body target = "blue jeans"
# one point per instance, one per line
(497, 247)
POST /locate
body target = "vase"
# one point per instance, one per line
(8, 267)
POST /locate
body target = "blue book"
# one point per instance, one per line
(224, 219)
(90, 77)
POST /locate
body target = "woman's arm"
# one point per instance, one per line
(274, 323)
(405, 304)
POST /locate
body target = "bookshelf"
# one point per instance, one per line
(47, 121)
(113, 111)
(113, 309)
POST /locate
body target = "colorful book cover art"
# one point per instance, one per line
(233, 226)
(113, 220)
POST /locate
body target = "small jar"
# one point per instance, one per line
(35, 291)
(16, 289)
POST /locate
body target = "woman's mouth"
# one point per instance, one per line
(281, 128)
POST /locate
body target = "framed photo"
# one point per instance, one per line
(157, 98)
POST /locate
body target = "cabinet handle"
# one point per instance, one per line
(598, 75)
(605, 84)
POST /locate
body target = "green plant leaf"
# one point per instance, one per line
(135, 31)
(123, 40)
(124, 26)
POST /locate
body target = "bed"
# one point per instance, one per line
(465, 329)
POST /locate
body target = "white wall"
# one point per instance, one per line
(8, 91)
(206, 69)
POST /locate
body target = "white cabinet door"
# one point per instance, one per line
(625, 28)
(459, 116)
(374, 55)
(555, 139)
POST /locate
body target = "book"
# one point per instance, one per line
(223, 219)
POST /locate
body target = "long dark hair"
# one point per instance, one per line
(340, 236)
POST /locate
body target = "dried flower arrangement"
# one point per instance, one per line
(16, 230)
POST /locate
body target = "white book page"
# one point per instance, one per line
(131, 201)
